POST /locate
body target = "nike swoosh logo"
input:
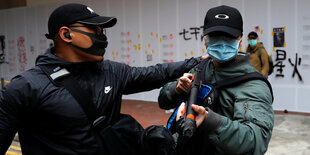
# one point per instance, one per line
(107, 89)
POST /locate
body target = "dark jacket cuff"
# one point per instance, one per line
(212, 122)
(174, 93)
(192, 62)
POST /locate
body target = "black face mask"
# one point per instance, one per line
(98, 46)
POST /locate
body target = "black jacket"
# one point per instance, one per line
(50, 121)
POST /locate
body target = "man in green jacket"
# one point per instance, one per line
(243, 118)
(258, 54)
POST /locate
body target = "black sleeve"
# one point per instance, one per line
(138, 79)
(11, 98)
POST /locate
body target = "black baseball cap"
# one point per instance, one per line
(252, 35)
(223, 19)
(68, 14)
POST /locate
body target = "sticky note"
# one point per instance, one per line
(273, 49)
(153, 51)
(185, 54)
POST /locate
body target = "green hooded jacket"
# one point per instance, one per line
(243, 121)
(261, 62)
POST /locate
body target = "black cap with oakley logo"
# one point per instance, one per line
(223, 19)
(68, 14)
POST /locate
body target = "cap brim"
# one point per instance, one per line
(103, 21)
(231, 31)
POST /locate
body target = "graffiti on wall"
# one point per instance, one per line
(2, 47)
(22, 57)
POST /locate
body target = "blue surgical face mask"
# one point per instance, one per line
(222, 48)
(253, 42)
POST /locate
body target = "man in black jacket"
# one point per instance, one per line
(47, 117)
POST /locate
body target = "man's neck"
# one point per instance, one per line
(66, 53)
(217, 64)
(253, 47)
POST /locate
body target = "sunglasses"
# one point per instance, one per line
(98, 30)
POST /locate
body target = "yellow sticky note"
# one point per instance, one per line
(116, 53)
(192, 53)
(149, 45)
(246, 48)
(160, 39)
(113, 58)
(271, 55)
(130, 41)
(145, 51)
(135, 46)
(185, 54)
(153, 51)
(112, 52)
(152, 34)
(203, 50)
(273, 49)
(139, 36)
(261, 31)
(284, 28)
(284, 44)
(272, 33)
(156, 35)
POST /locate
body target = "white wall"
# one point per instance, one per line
(148, 32)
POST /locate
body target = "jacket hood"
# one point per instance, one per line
(50, 57)
(237, 67)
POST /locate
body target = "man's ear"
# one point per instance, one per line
(65, 34)
(205, 41)
(240, 44)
